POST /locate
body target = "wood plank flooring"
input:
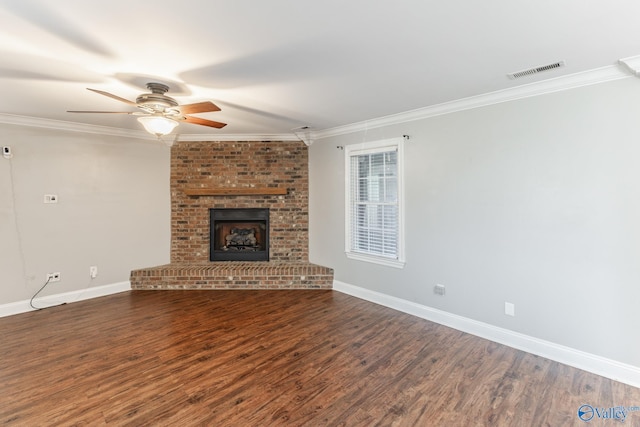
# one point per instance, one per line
(265, 358)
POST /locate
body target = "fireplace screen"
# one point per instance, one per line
(239, 235)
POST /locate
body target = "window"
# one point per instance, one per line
(374, 217)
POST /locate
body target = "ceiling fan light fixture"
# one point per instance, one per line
(158, 125)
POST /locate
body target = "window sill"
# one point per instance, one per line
(376, 259)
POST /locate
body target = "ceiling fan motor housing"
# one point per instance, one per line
(156, 100)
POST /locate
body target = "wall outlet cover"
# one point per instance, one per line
(53, 277)
(509, 309)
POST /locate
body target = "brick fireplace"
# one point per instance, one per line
(227, 175)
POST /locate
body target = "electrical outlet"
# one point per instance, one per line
(439, 289)
(6, 152)
(50, 198)
(509, 309)
(93, 271)
(53, 277)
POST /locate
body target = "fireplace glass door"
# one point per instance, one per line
(239, 235)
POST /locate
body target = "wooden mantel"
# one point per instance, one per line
(233, 191)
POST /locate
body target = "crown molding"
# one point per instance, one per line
(572, 81)
(11, 119)
(237, 137)
(625, 68)
(632, 64)
(137, 134)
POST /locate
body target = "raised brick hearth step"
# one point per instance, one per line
(234, 275)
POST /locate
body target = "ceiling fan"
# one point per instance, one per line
(160, 113)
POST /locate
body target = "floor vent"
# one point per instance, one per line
(535, 70)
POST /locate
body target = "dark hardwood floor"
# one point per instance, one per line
(262, 358)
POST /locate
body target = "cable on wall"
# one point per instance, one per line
(23, 261)
(36, 294)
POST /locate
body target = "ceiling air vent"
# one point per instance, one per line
(536, 70)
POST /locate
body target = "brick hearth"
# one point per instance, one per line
(232, 174)
(234, 275)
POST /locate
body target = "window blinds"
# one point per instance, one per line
(374, 202)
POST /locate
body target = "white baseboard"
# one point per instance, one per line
(598, 365)
(67, 297)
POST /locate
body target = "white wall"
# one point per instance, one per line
(535, 202)
(113, 209)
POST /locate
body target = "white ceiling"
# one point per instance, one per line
(280, 64)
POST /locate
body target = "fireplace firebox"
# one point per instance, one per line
(239, 234)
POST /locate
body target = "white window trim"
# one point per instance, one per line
(368, 148)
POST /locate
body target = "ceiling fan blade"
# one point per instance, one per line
(110, 95)
(203, 122)
(199, 107)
